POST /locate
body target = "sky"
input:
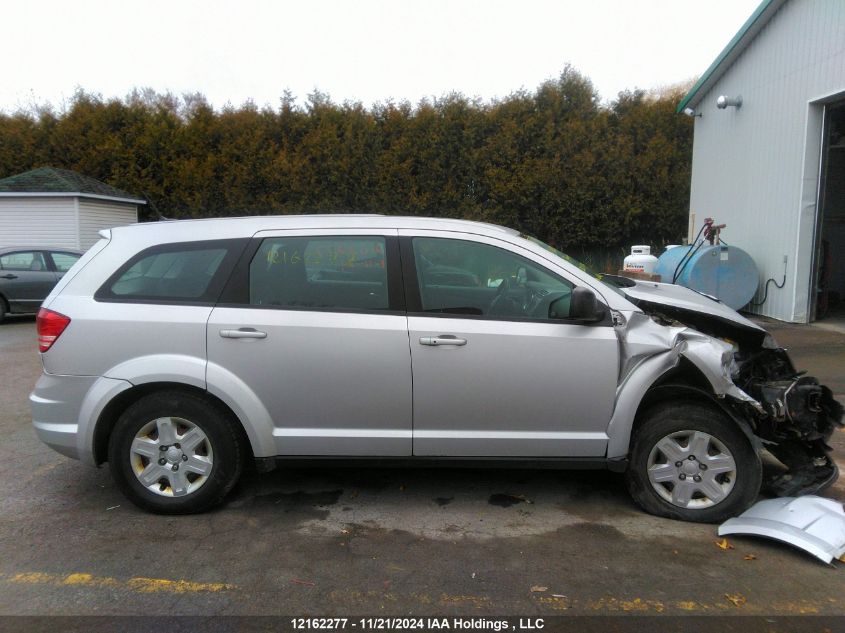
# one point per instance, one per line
(357, 50)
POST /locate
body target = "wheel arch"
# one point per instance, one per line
(123, 400)
(681, 382)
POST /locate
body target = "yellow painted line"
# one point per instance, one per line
(739, 605)
(609, 604)
(152, 585)
(461, 599)
(606, 605)
(137, 584)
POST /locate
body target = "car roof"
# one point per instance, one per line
(247, 226)
(32, 247)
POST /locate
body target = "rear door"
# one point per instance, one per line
(25, 279)
(62, 261)
(313, 323)
(494, 376)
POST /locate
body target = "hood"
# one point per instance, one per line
(694, 309)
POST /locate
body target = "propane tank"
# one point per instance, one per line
(640, 260)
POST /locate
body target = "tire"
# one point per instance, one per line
(4, 308)
(716, 491)
(203, 461)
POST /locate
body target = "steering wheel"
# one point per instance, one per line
(504, 303)
(501, 295)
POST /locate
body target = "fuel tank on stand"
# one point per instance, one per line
(725, 272)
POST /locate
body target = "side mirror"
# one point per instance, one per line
(581, 305)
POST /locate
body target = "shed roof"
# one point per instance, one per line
(731, 52)
(50, 181)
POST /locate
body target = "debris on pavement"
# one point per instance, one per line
(811, 523)
(538, 589)
(736, 598)
(749, 557)
(307, 583)
(723, 544)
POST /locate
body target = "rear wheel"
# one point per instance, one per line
(175, 453)
(4, 308)
(690, 462)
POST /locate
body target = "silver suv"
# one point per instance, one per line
(178, 351)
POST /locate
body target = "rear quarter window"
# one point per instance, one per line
(175, 273)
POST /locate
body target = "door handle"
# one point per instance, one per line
(244, 332)
(9, 276)
(443, 339)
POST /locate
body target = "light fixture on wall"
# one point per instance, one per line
(724, 101)
(691, 112)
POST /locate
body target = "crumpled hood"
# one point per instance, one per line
(685, 299)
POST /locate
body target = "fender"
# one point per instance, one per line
(197, 372)
(630, 394)
(99, 395)
(177, 368)
(246, 405)
(640, 383)
(650, 350)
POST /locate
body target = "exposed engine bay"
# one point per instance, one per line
(790, 414)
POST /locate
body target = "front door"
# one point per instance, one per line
(25, 280)
(321, 338)
(494, 376)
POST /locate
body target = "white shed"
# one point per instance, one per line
(59, 207)
(769, 153)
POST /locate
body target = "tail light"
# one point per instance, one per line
(49, 326)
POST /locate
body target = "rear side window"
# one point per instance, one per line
(23, 260)
(174, 273)
(325, 273)
(64, 261)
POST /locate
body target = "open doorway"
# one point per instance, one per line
(830, 254)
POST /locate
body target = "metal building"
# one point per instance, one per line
(59, 207)
(769, 153)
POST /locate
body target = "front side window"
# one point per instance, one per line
(321, 273)
(177, 274)
(64, 261)
(470, 278)
(23, 260)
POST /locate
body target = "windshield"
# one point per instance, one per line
(614, 282)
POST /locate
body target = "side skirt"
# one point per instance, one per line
(617, 464)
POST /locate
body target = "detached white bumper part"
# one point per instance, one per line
(814, 524)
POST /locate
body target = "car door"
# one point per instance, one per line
(25, 279)
(494, 376)
(313, 322)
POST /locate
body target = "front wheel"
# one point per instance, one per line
(691, 462)
(175, 453)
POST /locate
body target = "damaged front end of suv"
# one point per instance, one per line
(797, 418)
(783, 411)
